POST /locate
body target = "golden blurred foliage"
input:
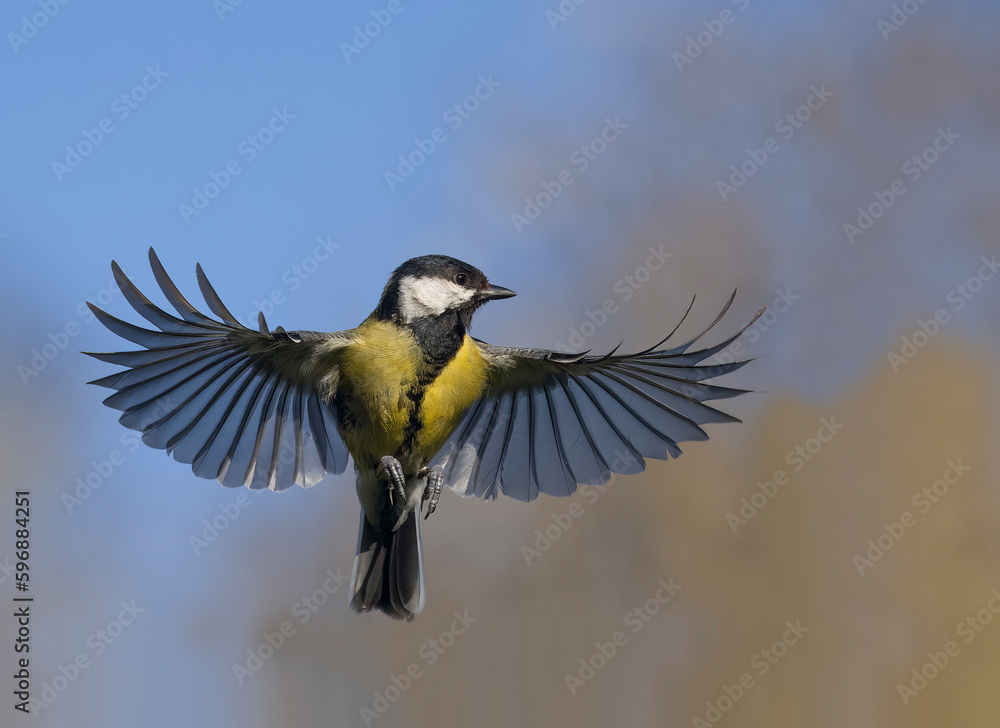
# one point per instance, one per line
(779, 605)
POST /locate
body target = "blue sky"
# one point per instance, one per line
(317, 189)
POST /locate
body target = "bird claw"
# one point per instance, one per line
(391, 469)
(432, 492)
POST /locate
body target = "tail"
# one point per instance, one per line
(388, 571)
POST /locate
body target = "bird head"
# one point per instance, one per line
(433, 286)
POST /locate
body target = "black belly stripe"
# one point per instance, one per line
(439, 340)
(416, 395)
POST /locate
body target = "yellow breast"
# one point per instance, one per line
(385, 408)
(455, 389)
(377, 371)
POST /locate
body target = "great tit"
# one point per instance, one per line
(414, 400)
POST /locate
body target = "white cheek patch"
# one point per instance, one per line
(419, 297)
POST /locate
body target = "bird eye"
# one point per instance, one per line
(461, 279)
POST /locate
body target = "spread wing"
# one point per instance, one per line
(550, 421)
(246, 407)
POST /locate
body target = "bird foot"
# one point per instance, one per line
(393, 471)
(435, 485)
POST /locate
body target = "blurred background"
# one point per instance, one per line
(833, 561)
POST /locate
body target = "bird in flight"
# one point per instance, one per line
(411, 397)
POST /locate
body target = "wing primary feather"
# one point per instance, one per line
(111, 381)
(203, 452)
(265, 411)
(715, 392)
(210, 351)
(557, 433)
(236, 372)
(280, 418)
(490, 427)
(692, 372)
(582, 382)
(467, 430)
(725, 309)
(680, 323)
(298, 472)
(136, 359)
(718, 347)
(628, 408)
(244, 421)
(667, 408)
(680, 357)
(150, 311)
(609, 355)
(533, 486)
(507, 436)
(176, 410)
(174, 296)
(141, 336)
(586, 430)
(163, 393)
(319, 428)
(214, 302)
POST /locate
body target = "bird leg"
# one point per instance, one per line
(391, 469)
(435, 485)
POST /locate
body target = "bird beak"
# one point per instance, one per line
(494, 293)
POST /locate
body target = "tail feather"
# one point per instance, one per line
(388, 572)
